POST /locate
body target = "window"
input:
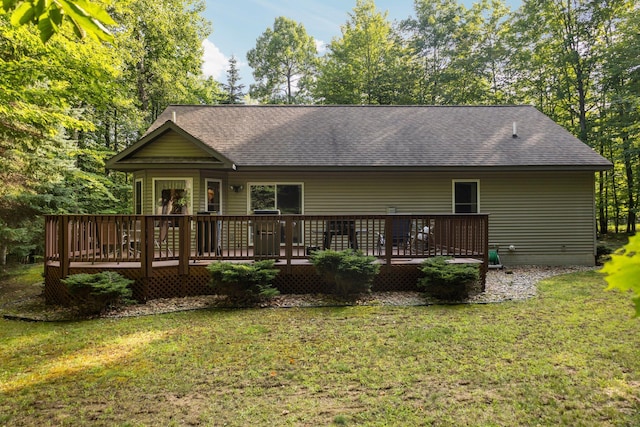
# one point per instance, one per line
(212, 197)
(172, 195)
(466, 196)
(285, 197)
(137, 197)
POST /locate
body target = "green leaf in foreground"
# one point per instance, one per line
(623, 270)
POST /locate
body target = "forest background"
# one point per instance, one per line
(67, 105)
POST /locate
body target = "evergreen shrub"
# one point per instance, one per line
(252, 281)
(349, 272)
(94, 293)
(447, 280)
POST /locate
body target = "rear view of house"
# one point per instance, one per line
(533, 178)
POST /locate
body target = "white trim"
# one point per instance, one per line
(188, 187)
(206, 187)
(453, 193)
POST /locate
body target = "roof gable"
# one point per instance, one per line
(168, 144)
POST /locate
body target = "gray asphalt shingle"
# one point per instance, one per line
(385, 136)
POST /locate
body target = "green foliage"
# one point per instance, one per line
(93, 293)
(282, 62)
(241, 280)
(623, 270)
(86, 18)
(350, 272)
(233, 89)
(446, 280)
(367, 65)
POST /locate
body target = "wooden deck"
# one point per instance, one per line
(159, 251)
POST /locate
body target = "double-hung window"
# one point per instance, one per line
(466, 196)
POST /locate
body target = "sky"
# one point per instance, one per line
(238, 23)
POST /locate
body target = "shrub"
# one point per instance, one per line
(350, 272)
(246, 281)
(448, 281)
(94, 293)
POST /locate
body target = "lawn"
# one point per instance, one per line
(567, 357)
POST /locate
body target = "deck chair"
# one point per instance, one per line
(131, 237)
(421, 239)
(109, 237)
(161, 242)
(400, 234)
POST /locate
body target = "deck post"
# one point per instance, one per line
(147, 248)
(184, 252)
(388, 240)
(288, 241)
(63, 245)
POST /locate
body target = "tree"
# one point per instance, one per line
(233, 88)
(86, 18)
(367, 65)
(283, 61)
(161, 43)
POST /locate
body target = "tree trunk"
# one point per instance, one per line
(3, 253)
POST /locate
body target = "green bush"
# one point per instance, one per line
(246, 281)
(349, 272)
(94, 293)
(448, 281)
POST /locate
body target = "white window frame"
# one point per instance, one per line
(188, 187)
(453, 193)
(205, 195)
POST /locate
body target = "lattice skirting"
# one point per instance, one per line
(167, 283)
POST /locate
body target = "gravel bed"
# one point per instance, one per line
(517, 283)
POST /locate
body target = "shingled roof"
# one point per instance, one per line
(255, 137)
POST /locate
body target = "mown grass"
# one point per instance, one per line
(566, 357)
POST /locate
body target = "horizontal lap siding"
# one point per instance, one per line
(548, 217)
(170, 145)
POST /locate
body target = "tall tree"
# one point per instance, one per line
(283, 61)
(233, 88)
(164, 45)
(367, 64)
(562, 62)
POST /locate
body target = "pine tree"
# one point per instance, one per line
(233, 89)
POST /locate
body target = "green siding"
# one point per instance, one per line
(549, 217)
(170, 145)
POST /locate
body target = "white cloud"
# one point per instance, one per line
(321, 46)
(214, 64)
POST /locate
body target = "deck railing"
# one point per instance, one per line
(148, 239)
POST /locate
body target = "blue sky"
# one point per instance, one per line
(238, 23)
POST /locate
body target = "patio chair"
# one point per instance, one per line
(131, 237)
(341, 227)
(109, 237)
(163, 233)
(400, 234)
(420, 240)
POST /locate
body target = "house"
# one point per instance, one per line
(534, 179)
(401, 183)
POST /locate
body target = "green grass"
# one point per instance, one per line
(568, 357)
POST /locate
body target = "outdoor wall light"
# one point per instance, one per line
(236, 188)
